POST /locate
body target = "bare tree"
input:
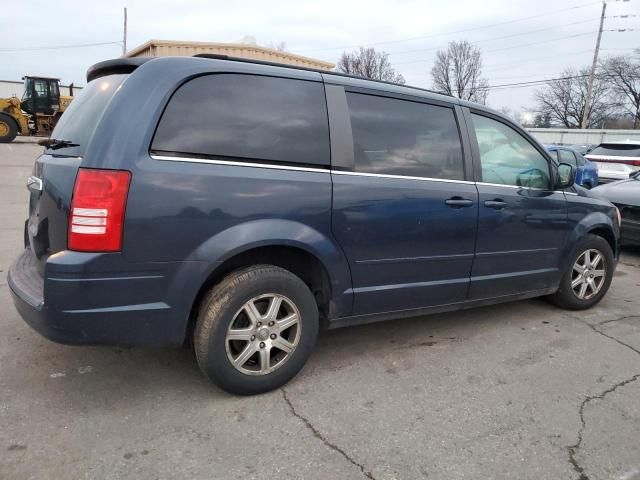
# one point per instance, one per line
(458, 71)
(369, 63)
(623, 74)
(280, 46)
(542, 120)
(563, 100)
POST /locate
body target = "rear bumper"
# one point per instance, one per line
(73, 304)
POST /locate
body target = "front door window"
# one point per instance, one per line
(507, 158)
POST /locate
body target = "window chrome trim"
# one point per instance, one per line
(298, 169)
(402, 177)
(335, 172)
(238, 164)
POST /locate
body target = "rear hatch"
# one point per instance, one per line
(56, 169)
(623, 153)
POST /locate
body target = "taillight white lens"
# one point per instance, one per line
(97, 210)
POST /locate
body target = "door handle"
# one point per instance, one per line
(458, 202)
(496, 204)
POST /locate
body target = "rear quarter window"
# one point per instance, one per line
(247, 117)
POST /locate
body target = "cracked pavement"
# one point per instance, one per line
(521, 390)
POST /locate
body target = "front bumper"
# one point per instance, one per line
(72, 304)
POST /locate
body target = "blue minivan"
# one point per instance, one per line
(241, 206)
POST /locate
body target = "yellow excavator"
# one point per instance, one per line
(37, 112)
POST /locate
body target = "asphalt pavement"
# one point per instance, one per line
(521, 390)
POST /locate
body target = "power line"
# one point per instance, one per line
(503, 66)
(58, 47)
(521, 19)
(500, 38)
(539, 43)
(519, 62)
(509, 48)
(533, 83)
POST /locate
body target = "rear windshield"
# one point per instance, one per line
(616, 150)
(79, 121)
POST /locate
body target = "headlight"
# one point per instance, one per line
(619, 216)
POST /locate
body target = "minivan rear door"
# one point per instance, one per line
(402, 210)
(54, 173)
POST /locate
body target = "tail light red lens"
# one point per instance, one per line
(96, 220)
(634, 163)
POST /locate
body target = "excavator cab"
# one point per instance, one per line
(41, 95)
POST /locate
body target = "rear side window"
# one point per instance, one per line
(247, 117)
(399, 137)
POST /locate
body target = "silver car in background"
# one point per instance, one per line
(615, 160)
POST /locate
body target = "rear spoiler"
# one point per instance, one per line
(115, 66)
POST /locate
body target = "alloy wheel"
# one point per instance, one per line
(588, 274)
(263, 334)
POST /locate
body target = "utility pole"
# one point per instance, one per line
(587, 103)
(124, 39)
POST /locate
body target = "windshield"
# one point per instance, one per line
(79, 121)
(616, 150)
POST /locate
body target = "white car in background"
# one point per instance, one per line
(615, 160)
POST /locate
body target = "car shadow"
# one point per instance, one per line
(97, 377)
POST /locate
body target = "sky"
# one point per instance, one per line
(521, 40)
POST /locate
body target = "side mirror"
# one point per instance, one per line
(566, 176)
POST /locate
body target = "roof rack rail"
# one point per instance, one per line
(216, 56)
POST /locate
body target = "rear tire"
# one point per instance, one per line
(588, 276)
(8, 128)
(255, 330)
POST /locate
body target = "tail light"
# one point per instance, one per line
(97, 210)
(633, 163)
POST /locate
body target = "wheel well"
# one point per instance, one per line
(607, 235)
(297, 261)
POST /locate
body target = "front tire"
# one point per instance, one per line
(8, 128)
(255, 330)
(588, 276)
